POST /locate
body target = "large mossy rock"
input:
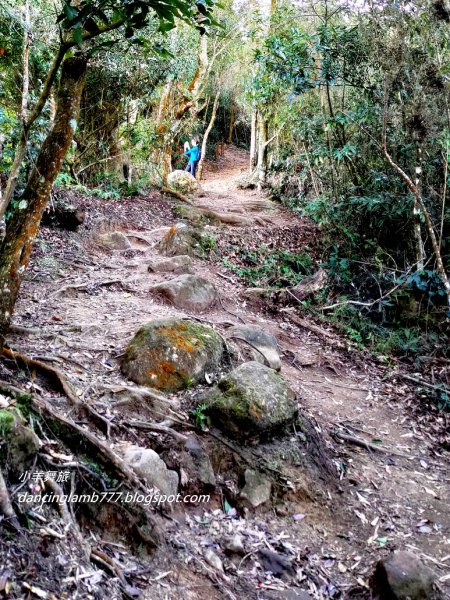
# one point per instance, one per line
(250, 402)
(188, 292)
(184, 239)
(171, 354)
(182, 181)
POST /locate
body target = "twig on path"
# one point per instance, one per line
(86, 284)
(368, 445)
(437, 387)
(348, 387)
(158, 427)
(229, 311)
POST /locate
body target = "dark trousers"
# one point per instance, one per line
(191, 168)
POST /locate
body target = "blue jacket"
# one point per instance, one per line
(193, 153)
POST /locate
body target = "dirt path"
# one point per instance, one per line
(384, 501)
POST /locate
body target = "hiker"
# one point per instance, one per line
(194, 156)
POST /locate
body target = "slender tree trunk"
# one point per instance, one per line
(232, 121)
(262, 151)
(253, 141)
(206, 135)
(23, 137)
(24, 224)
(26, 54)
(420, 250)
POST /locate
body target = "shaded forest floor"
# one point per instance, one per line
(80, 306)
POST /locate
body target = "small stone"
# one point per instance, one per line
(198, 464)
(262, 344)
(176, 264)
(277, 564)
(114, 240)
(403, 576)
(147, 464)
(235, 545)
(212, 559)
(257, 489)
(188, 292)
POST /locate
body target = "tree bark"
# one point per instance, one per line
(262, 151)
(231, 124)
(206, 135)
(24, 224)
(253, 141)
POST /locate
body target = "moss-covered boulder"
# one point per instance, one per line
(250, 402)
(188, 292)
(184, 239)
(172, 354)
(21, 443)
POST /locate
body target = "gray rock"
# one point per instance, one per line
(114, 240)
(182, 181)
(172, 354)
(147, 464)
(262, 345)
(22, 444)
(276, 563)
(403, 576)
(235, 545)
(188, 292)
(257, 489)
(184, 239)
(176, 264)
(252, 401)
(197, 463)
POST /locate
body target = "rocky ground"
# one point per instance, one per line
(314, 457)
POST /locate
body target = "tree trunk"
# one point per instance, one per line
(26, 54)
(231, 124)
(420, 250)
(262, 151)
(24, 224)
(253, 141)
(206, 135)
(22, 143)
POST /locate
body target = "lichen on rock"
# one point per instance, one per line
(172, 354)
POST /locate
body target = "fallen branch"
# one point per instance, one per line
(174, 193)
(351, 439)
(86, 284)
(158, 427)
(437, 387)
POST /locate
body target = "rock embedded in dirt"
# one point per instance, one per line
(276, 563)
(172, 354)
(403, 576)
(184, 239)
(257, 489)
(197, 464)
(235, 545)
(22, 443)
(188, 292)
(114, 240)
(261, 345)
(251, 401)
(177, 264)
(182, 181)
(147, 464)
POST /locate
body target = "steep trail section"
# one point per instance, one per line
(81, 305)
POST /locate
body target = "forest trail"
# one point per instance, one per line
(85, 303)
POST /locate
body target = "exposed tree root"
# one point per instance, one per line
(56, 376)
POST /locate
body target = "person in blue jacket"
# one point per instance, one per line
(194, 156)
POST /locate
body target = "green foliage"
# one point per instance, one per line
(269, 267)
(201, 419)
